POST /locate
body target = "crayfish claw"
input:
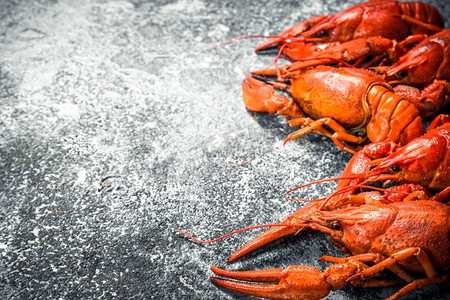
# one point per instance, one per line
(260, 96)
(272, 275)
(296, 282)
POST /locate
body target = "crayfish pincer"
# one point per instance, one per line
(386, 244)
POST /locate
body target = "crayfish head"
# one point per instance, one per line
(354, 229)
(291, 225)
(340, 27)
(418, 162)
(307, 217)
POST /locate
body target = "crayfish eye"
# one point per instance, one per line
(336, 225)
(322, 33)
(395, 168)
(401, 74)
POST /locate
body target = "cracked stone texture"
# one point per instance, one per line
(119, 125)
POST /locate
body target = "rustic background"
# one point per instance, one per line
(119, 126)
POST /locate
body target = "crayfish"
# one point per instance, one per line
(356, 104)
(390, 19)
(426, 61)
(424, 161)
(376, 237)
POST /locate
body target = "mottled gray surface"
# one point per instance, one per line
(119, 127)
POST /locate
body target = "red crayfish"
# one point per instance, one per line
(356, 104)
(421, 65)
(390, 19)
(394, 235)
(425, 161)
(376, 237)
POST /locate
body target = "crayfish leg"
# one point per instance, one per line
(438, 121)
(419, 283)
(339, 136)
(416, 21)
(402, 255)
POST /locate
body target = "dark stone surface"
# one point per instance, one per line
(118, 127)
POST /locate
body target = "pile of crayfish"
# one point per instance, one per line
(367, 77)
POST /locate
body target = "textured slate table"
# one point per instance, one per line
(119, 127)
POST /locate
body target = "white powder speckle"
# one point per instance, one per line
(81, 176)
(36, 232)
(68, 110)
(184, 6)
(223, 27)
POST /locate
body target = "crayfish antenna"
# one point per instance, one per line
(268, 71)
(227, 234)
(355, 176)
(299, 65)
(234, 40)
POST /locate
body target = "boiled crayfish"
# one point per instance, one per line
(392, 235)
(425, 161)
(426, 61)
(376, 237)
(427, 66)
(356, 104)
(390, 19)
